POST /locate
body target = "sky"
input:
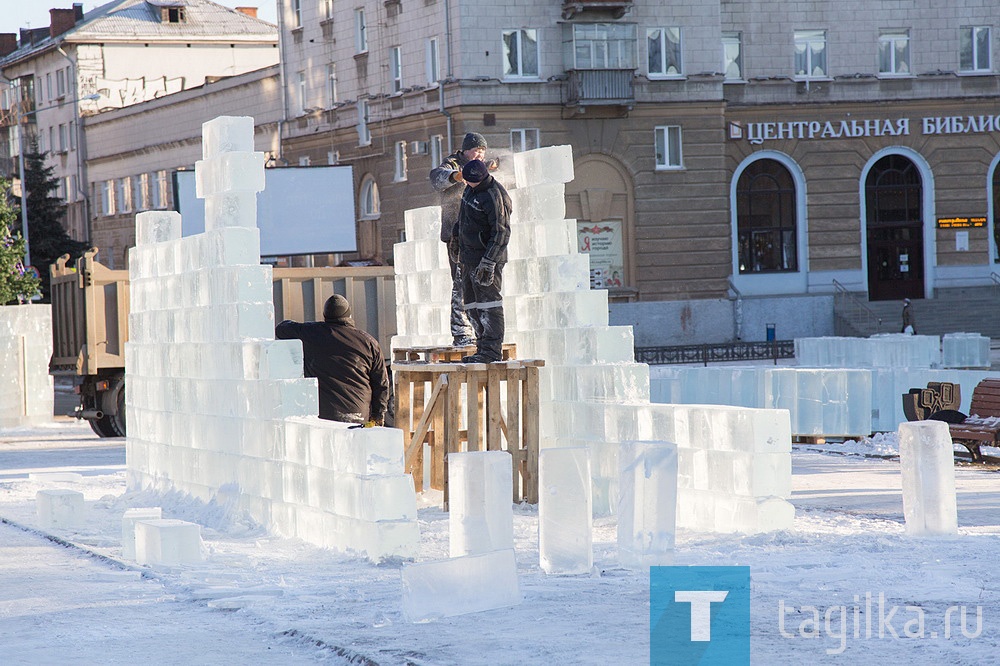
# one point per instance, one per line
(17, 14)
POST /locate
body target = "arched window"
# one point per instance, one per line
(765, 218)
(370, 206)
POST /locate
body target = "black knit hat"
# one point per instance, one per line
(473, 140)
(336, 309)
(475, 171)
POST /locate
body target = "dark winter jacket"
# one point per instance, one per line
(349, 367)
(451, 191)
(484, 223)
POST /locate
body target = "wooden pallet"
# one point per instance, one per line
(479, 391)
(444, 354)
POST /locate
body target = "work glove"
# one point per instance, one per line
(484, 273)
(453, 250)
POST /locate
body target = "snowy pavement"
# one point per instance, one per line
(261, 599)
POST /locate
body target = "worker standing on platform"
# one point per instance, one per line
(447, 179)
(346, 361)
(482, 234)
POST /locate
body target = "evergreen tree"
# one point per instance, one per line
(47, 238)
(15, 284)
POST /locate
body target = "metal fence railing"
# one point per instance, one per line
(717, 353)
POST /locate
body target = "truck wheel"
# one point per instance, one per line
(116, 422)
(101, 427)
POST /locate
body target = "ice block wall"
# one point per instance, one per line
(26, 396)
(885, 350)
(219, 409)
(593, 394)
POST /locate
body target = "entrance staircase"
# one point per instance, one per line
(973, 310)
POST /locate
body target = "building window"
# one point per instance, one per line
(437, 149)
(523, 139)
(974, 50)
(668, 147)
(364, 136)
(331, 84)
(333, 157)
(296, 14)
(432, 60)
(305, 161)
(41, 143)
(360, 32)
(894, 53)
(810, 54)
(765, 218)
(300, 98)
(600, 46)
(520, 53)
(396, 68)
(63, 139)
(108, 198)
(52, 139)
(663, 51)
(48, 86)
(158, 190)
(61, 83)
(140, 191)
(123, 195)
(72, 135)
(370, 206)
(327, 9)
(400, 172)
(732, 56)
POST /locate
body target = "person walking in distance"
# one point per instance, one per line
(346, 361)
(482, 234)
(447, 179)
(908, 319)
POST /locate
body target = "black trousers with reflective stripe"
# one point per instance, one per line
(484, 306)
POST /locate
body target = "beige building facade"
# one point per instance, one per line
(761, 152)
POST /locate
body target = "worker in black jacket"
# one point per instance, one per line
(346, 361)
(483, 232)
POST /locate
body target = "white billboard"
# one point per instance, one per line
(302, 210)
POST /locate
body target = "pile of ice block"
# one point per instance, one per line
(965, 350)
(885, 350)
(593, 394)
(217, 407)
(823, 401)
(481, 573)
(26, 396)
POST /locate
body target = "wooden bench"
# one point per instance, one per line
(982, 427)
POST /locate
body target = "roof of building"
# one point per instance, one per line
(140, 20)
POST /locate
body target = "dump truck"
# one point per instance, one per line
(90, 306)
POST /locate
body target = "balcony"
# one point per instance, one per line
(617, 8)
(594, 87)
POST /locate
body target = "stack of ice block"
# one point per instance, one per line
(823, 401)
(885, 350)
(215, 403)
(593, 394)
(965, 350)
(26, 396)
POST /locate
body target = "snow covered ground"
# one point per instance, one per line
(67, 597)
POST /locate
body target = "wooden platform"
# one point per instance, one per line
(444, 354)
(499, 403)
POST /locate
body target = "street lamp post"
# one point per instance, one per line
(20, 166)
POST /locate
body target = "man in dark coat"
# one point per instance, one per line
(482, 233)
(447, 179)
(346, 361)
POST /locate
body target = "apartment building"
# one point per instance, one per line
(125, 52)
(764, 148)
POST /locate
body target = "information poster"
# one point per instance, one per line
(603, 242)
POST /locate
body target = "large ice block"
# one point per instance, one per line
(129, 519)
(157, 226)
(647, 509)
(927, 466)
(565, 534)
(544, 166)
(59, 507)
(480, 508)
(167, 542)
(226, 134)
(460, 585)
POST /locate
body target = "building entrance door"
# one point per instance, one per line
(895, 230)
